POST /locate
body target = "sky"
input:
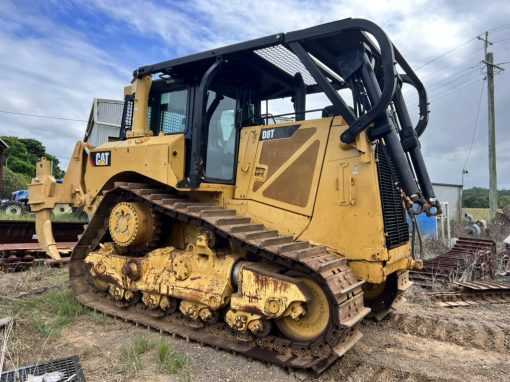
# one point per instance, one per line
(57, 56)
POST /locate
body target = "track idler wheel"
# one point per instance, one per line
(314, 322)
(131, 224)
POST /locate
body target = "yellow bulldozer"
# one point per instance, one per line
(269, 235)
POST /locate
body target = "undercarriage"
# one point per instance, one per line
(196, 270)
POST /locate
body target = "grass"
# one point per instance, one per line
(31, 217)
(131, 354)
(478, 213)
(171, 362)
(168, 360)
(49, 313)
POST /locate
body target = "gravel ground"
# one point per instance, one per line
(420, 342)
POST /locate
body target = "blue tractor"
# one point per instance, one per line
(17, 203)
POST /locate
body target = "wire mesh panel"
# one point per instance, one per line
(127, 113)
(172, 122)
(285, 60)
(68, 366)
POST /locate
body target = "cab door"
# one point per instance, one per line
(222, 136)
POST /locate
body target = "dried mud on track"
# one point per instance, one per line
(420, 342)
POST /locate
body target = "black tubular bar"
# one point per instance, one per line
(165, 66)
(337, 101)
(196, 167)
(267, 116)
(412, 79)
(299, 97)
(387, 57)
(423, 104)
(411, 144)
(389, 132)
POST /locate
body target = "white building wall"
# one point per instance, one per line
(451, 193)
(104, 122)
(101, 133)
(109, 111)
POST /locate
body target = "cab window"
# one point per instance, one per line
(221, 139)
(172, 111)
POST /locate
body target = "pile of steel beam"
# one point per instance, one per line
(19, 249)
(503, 217)
(474, 292)
(470, 259)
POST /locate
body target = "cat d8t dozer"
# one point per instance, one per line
(268, 235)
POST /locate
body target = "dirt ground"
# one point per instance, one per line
(420, 342)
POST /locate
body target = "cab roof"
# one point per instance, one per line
(268, 64)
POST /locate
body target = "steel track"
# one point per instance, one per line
(330, 269)
(474, 293)
(23, 231)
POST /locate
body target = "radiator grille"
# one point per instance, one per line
(394, 214)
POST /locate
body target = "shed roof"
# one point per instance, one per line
(109, 117)
(447, 184)
(3, 145)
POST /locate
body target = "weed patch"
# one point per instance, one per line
(130, 355)
(168, 360)
(49, 313)
(172, 362)
(55, 218)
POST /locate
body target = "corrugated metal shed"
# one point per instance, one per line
(104, 121)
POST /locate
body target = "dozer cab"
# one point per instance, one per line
(269, 235)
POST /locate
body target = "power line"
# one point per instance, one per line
(446, 53)
(476, 124)
(452, 83)
(440, 68)
(453, 90)
(504, 39)
(440, 84)
(439, 92)
(501, 27)
(498, 29)
(42, 116)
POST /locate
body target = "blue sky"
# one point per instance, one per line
(56, 56)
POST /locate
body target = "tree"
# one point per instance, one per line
(20, 160)
(14, 182)
(478, 197)
(17, 157)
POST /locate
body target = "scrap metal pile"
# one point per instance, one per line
(505, 258)
(19, 249)
(473, 292)
(503, 220)
(469, 259)
(503, 217)
(470, 267)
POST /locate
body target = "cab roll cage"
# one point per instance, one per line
(321, 58)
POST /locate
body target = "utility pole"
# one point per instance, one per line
(493, 179)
